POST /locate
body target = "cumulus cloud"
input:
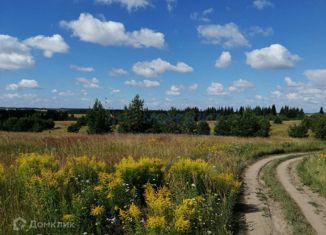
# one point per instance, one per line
(224, 60)
(193, 87)
(145, 83)
(227, 35)
(82, 69)
(275, 56)
(202, 16)
(130, 5)
(158, 66)
(216, 89)
(290, 83)
(317, 76)
(174, 90)
(49, 45)
(88, 83)
(24, 83)
(262, 4)
(14, 54)
(111, 33)
(240, 85)
(116, 72)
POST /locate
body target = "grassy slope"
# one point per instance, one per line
(313, 173)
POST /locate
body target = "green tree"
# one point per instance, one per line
(203, 128)
(99, 120)
(321, 111)
(278, 120)
(189, 124)
(298, 131)
(133, 117)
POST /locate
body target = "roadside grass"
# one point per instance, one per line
(292, 213)
(312, 171)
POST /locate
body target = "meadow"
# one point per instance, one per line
(129, 184)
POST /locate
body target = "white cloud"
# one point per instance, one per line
(216, 89)
(145, 83)
(130, 5)
(292, 96)
(24, 83)
(202, 16)
(82, 69)
(258, 97)
(54, 91)
(65, 93)
(276, 93)
(290, 83)
(317, 76)
(110, 33)
(240, 85)
(171, 4)
(224, 60)
(49, 45)
(88, 83)
(257, 30)
(116, 72)
(261, 4)
(14, 54)
(174, 90)
(158, 66)
(275, 56)
(193, 87)
(227, 35)
(115, 91)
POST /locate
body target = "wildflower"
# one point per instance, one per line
(182, 224)
(97, 211)
(155, 222)
(68, 217)
(158, 201)
(134, 211)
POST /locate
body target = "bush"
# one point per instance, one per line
(203, 128)
(278, 120)
(74, 128)
(320, 131)
(298, 131)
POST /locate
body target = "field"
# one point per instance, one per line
(78, 178)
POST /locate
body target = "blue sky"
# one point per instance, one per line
(66, 53)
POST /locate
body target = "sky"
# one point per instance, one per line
(67, 53)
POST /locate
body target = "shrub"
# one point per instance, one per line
(278, 120)
(74, 128)
(189, 124)
(320, 131)
(298, 131)
(203, 128)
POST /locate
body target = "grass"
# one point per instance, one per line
(291, 211)
(226, 155)
(313, 173)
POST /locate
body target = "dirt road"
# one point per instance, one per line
(312, 206)
(263, 216)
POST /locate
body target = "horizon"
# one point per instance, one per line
(203, 54)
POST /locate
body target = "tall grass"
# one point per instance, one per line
(312, 171)
(225, 156)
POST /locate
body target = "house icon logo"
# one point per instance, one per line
(19, 224)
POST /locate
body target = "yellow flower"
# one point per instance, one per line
(134, 211)
(158, 201)
(182, 224)
(68, 218)
(97, 211)
(2, 172)
(185, 209)
(155, 222)
(98, 188)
